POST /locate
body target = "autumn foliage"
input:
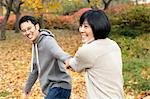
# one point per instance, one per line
(64, 21)
(1, 19)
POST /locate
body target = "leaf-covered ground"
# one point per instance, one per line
(15, 56)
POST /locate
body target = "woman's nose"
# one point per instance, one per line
(81, 29)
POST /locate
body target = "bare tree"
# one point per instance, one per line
(88, 1)
(136, 2)
(106, 3)
(41, 19)
(8, 5)
(16, 10)
(1, 10)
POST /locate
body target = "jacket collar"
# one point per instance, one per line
(42, 33)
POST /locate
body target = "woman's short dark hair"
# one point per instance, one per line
(26, 19)
(98, 21)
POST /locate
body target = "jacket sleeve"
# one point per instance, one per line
(31, 79)
(52, 46)
(82, 60)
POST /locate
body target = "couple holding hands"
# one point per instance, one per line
(99, 57)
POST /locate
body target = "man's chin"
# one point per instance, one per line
(30, 39)
(83, 41)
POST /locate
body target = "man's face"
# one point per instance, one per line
(30, 30)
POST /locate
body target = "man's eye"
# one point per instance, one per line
(28, 28)
(23, 30)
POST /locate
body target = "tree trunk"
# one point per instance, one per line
(17, 13)
(106, 4)
(1, 10)
(41, 21)
(17, 22)
(2, 35)
(88, 1)
(3, 25)
(136, 2)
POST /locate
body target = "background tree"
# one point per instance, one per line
(35, 8)
(8, 5)
(41, 19)
(41, 7)
(1, 10)
(96, 4)
(106, 3)
(88, 1)
(16, 7)
(136, 2)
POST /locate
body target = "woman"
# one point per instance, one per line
(99, 57)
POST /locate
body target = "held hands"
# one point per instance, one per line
(67, 65)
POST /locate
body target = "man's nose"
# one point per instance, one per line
(27, 32)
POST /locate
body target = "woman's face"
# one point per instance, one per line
(86, 32)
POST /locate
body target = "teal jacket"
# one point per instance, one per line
(47, 64)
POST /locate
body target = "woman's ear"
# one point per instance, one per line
(37, 26)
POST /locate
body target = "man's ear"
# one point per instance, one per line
(37, 26)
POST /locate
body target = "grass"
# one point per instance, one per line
(4, 93)
(16, 51)
(136, 62)
(136, 74)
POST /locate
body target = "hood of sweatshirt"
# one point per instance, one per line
(43, 32)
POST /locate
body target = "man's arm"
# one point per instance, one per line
(52, 46)
(31, 80)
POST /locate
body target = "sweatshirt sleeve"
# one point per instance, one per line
(31, 79)
(82, 60)
(52, 46)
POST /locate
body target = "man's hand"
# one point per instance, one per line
(26, 95)
(67, 63)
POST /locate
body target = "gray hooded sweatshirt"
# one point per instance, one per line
(47, 64)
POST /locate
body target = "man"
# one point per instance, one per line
(47, 61)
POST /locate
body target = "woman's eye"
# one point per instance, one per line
(85, 26)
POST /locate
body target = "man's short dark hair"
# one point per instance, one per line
(98, 21)
(26, 19)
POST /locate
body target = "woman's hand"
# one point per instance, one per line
(67, 65)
